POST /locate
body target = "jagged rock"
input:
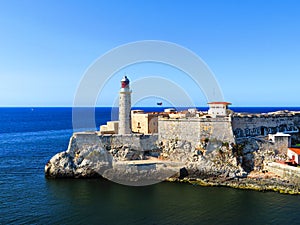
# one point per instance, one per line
(60, 165)
(80, 160)
(138, 175)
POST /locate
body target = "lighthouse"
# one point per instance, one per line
(125, 107)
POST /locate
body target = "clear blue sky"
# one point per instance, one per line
(253, 47)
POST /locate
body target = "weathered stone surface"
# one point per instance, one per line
(139, 142)
(85, 157)
(196, 129)
(259, 184)
(61, 165)
(124, 172)
(245, 124)
(255, 151)
(199, 164)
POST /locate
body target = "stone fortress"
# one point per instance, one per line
(187, 136)
(218, 124)
(217, 147)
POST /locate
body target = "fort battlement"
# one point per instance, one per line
(194, 130)
(247, 125)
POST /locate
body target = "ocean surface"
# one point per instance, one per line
(29, 137)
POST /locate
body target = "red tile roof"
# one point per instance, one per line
(296, 150)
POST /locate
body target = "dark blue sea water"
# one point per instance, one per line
(30, 137)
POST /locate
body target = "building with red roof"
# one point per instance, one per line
(218, 108)
(294, 154)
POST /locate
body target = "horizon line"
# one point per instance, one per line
(104, 106)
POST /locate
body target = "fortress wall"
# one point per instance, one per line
(282, 170)
(254, 126)
(196, 129)
(84, 138)
(140, 142)
(134, 141)
(219, 128)
(179, 129)
(81, 140)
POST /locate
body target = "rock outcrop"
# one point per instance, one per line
(200, 163)
(212, 163)
(86, 157)
(87, 161)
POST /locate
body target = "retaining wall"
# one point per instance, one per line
(265, 124)
(134, 141)
(283, 170)
(195, 129)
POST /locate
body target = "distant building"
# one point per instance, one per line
(145, 123)
(218, 108)
(294, 154)
(170, 110)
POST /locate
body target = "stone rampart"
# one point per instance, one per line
(253, 125)
(283, 170)
(194, 130)
(138, 142)
(217, 128)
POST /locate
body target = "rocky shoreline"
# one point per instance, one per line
(176, 161)
(263, 184)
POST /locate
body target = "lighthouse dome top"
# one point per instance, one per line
(125, 79)
(125, 82)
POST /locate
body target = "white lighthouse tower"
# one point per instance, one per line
(125, 107)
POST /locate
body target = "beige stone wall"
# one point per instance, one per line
(139, 123)
(138, 142)
(194, 130)
(152, 124)
(144, 123)
(217, 128)
(111, 127)
(283, 170)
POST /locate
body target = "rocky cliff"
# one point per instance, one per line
(211, 163)
(88, 157)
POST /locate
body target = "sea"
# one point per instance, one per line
(29, 137)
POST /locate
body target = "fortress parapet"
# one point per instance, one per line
(262, 124)
(195, 130)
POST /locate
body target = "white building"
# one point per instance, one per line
(125, 107)
(218, 108)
